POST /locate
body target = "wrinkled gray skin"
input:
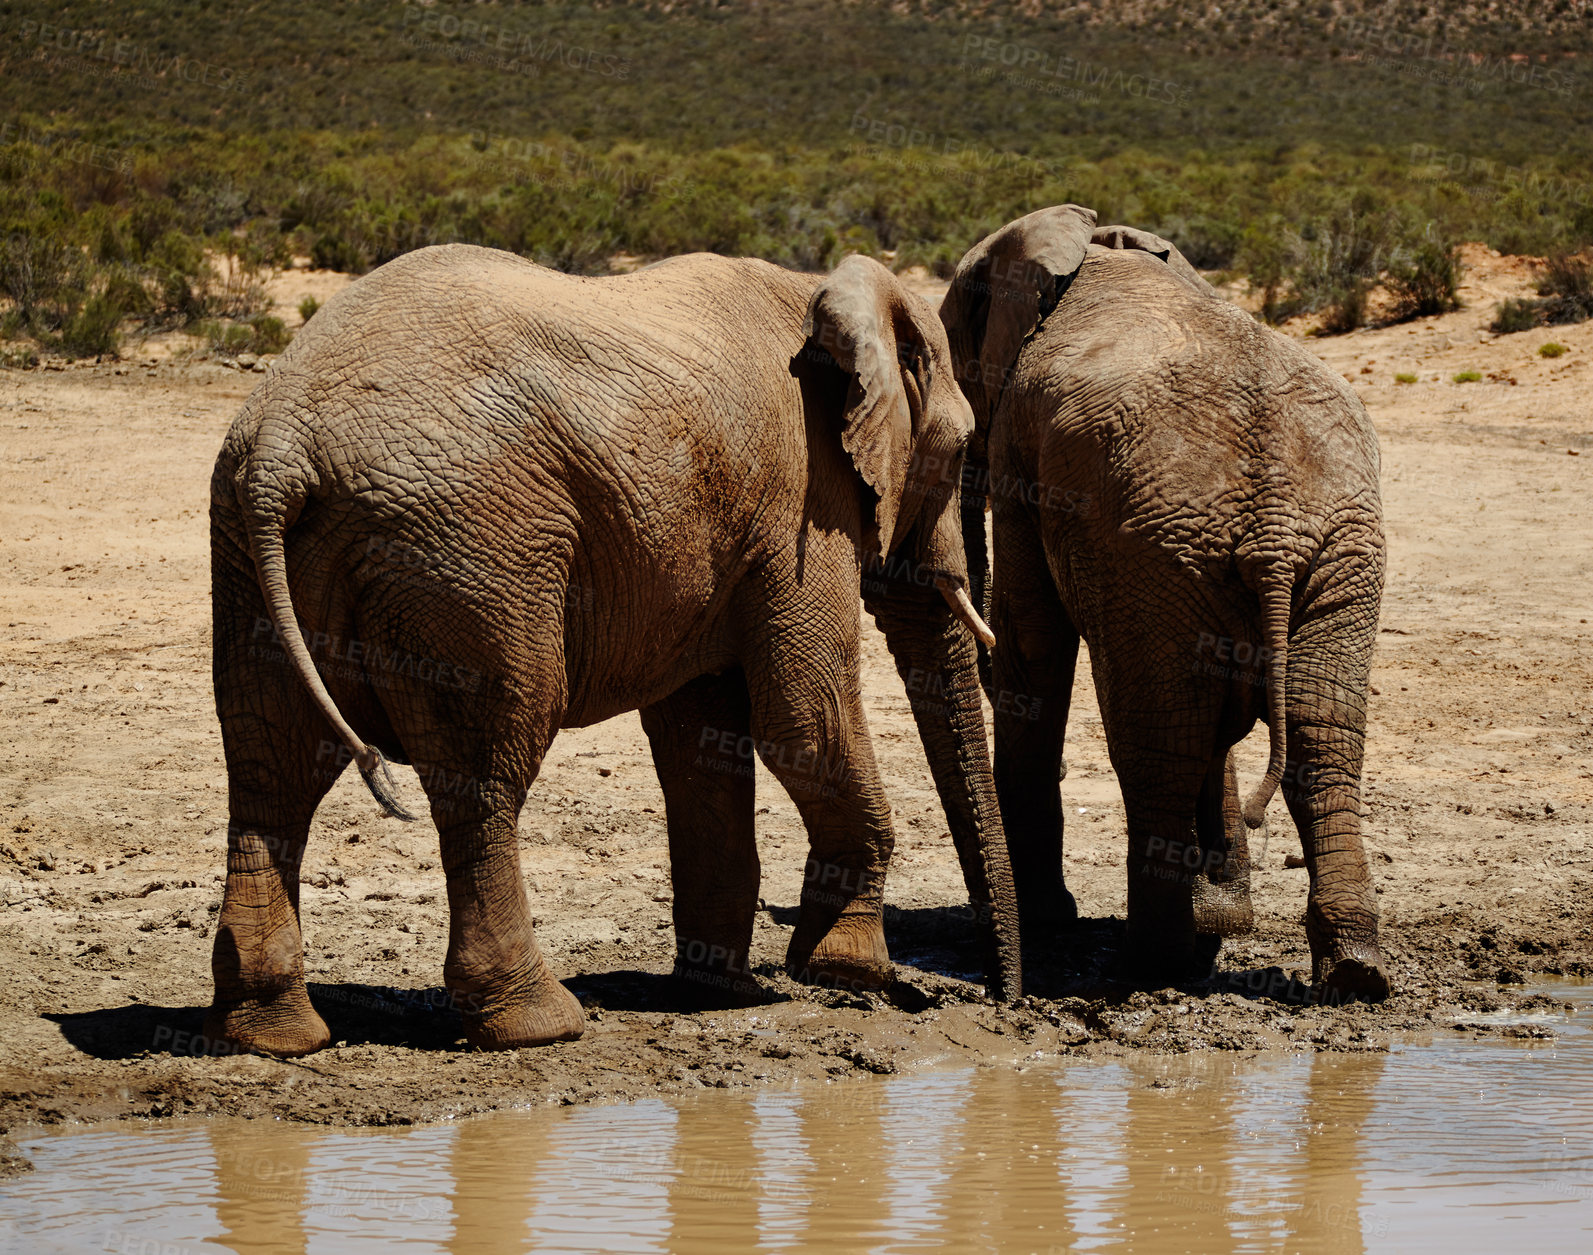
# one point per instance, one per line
(478, 501)
(1197, 498)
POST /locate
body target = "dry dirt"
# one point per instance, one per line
(112, 795)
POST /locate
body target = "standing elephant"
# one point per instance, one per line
(478, 501)
(1197, 498)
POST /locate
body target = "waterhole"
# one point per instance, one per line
(1478, 1141)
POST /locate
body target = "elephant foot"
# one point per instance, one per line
(1222, 910)
(286, 1025)
(1346, 962)
(1046, 911)
(1357, 972)
(552, 1014)
(852, 955)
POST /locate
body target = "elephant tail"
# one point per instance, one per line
(266, 515)
(1276, 591)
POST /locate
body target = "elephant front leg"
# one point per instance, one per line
(701, 738)
(494, 970)
(839, 940)
(1032, 669)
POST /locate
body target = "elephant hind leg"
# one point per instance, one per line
(494, 970)
(1162, 754)
(1329, 663)
(281, 761)
(477, 754)
(1164, 858)
(1324, 799)
(274, 784)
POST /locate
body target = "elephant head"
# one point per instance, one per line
(1002, 289)
(1000, 293)
(905, 426)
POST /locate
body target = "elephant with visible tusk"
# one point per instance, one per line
(478, 501)
(1196, 497)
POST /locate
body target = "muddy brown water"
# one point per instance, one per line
(1480, 1140)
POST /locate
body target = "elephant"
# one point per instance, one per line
(1196, 497)
(477, 501)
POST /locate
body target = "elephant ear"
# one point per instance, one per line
(859, 317)
(1002, 289)
(1145, 242)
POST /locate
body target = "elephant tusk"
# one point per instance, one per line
(962, 606)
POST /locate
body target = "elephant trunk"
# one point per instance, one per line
(937, 656)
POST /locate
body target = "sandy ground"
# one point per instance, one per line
(112, 793)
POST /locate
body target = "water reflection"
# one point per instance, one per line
(1321, 1153)
(1174, 1155)
(262, 1177)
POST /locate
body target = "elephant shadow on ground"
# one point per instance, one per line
(1083, 959)
(1087, 959)
(422, 1019)
(629, 989)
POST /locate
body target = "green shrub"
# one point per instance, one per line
(43, 274)
(1468, 376)
(1336, 265)
(1567, 283)
(270, 334)
(181, 278)
(1331, 265)
(94, 331)
(1551, 349)
(1565, 275)
(1425, 281)
(1515, 315)
(226, 339)
(1404, 377)
(19, 357)
(333, 249)
(307, 308)
(262, 333)
(1344, 306)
